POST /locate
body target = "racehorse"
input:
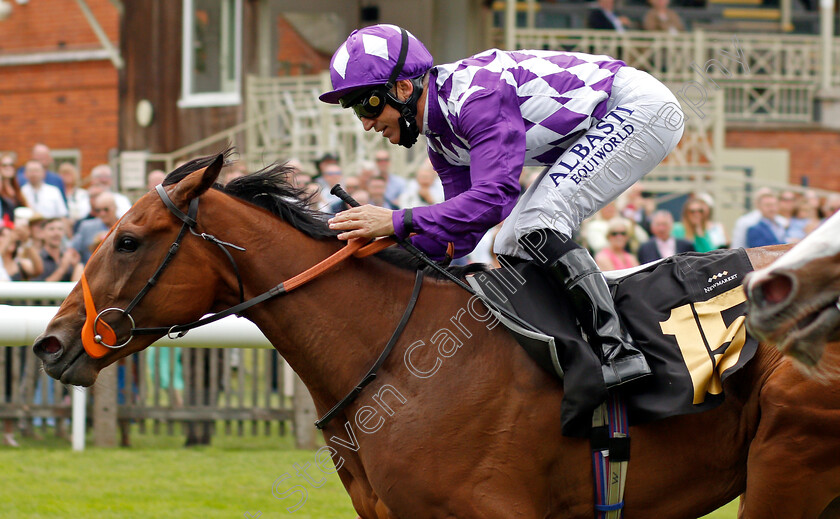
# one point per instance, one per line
(795, 302)
(478, 434)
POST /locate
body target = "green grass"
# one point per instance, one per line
(158, 478)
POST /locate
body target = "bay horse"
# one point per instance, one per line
(478, 434)
(795, 302)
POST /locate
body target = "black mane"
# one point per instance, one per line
(270, 189)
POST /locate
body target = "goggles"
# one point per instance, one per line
(369, 104)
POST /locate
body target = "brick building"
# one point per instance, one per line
(57, 83)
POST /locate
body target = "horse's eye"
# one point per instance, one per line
(127, 244)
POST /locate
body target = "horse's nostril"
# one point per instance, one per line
(48, 346)
(776, 289)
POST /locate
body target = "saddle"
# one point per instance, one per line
(686, 314)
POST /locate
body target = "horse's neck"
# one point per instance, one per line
(329, 329)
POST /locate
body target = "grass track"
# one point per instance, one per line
(159, 479)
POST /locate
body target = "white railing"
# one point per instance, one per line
(306, 128)
(20, 325)
(777, 81)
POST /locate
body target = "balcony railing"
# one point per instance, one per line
(766, 78)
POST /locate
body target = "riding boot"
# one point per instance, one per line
(575, 270)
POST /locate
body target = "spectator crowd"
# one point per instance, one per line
(50, 225)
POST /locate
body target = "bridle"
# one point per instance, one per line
(98, 338)
(98, 343)
(107, 334)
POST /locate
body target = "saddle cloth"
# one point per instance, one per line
(685, 313)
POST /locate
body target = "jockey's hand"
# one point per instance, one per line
(367, 221)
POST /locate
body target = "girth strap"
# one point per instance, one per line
(610, 456)
(371, 374)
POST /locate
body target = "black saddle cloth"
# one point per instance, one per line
(686, 314)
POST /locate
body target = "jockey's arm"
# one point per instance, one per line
(480, 195)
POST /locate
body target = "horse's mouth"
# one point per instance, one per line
(66, 365)
(805, 339)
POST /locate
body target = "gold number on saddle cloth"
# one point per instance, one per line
(703, 324)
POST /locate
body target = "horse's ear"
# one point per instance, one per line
(195, 184)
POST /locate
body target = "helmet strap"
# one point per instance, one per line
(409, 126)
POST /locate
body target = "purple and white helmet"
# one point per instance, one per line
(368, 56)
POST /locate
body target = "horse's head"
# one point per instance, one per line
(794, 302)
(93, 327)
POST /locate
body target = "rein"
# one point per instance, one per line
(98, 337)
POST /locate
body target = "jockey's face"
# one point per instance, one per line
(387, 123)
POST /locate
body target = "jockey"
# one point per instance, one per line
(596, 124)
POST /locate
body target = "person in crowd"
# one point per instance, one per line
(327, 159)
(367, 170)
(768, 230)
(697, 227)
(594, 230)
(42, 154)
(615, 256)
(60, 263)
(806, 218)
(787, 206)
(92, 231)
(831, 205)
(603, 17)
(362, 196)
(21, 260)
(78, 201)
(424, 189)
(42, 197)
(660, 17)
(394, 184)
(36, 231)
(376, 190)
(715, 229)
(662, 244)
(745, 221)
(154, 177)
(473, 114)
(11, 196)
(93, 191)
(312, 194)
(813, 199)
(296, 174)
(294, 165)
(638, 206)
(330, 176)
(102, 175)
(300, 179)
(351, 187)
(163, 370)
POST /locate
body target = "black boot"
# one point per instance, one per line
(575, 270)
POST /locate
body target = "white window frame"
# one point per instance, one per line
(189, 99)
